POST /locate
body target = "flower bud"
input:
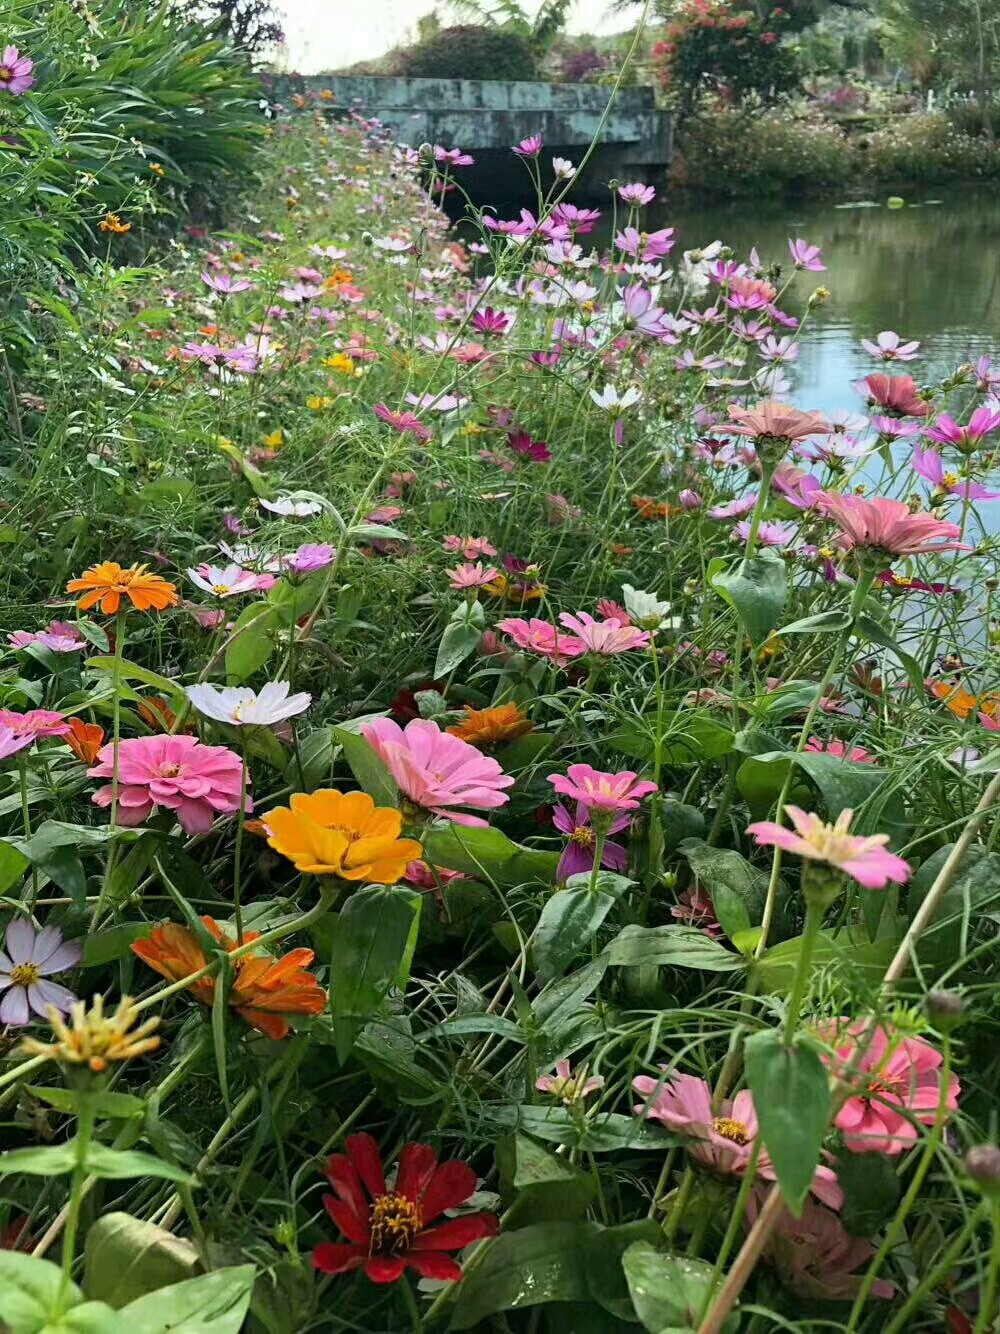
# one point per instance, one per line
(614, 183)
(820, 295)
(691, 500)
(944, 1009)
(426, 155)
(285, 1232)
(983, 1165)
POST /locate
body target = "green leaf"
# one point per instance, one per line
(570, 920)
(737, 889)
(826, 622)
(374, 937)
(840, 783)
(527, 1267)
(255, 641)
(668, 1291)
(548, 1187)
(490, 854)
(87, 1318)
(111, 943)
(964, 912)
(112, 1105)
(676, 946)
(791, 1094)
(368, 767)
(13, 864)
(687, 737)
(215, 1303)
(605, 1272)
(604, 1133)
(867, 627)
(29, 1290)
(460, 639)
(871, 1189)
(124, 1164)
(126, 1257)
(131, 671)
(755, 587)
(167, 491)
(849, 954)
(46, 1161)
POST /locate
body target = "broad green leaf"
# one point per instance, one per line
(112, 1105)
(668, 1291)
(755, 587)
(490, 854)
(255, 641)
(368, 767)
(871, 1189)
(124, 1164)
(295, 600)
(571, 918)
(605, 1273)
(29, 1290)
(737, 889)
(13, 864)
(547, 1186)
(374, 937)
(849, 954)
(111, 943)
(126, 1257)
(867, 627)
(460, 639)
(88, 1318)
(167, 491)
(604, 1133)
(673, 946)
(51, 1160)
(825, 622)
(215, 1303)
(791, 1095)
(688, 737)
(546, 1262)
(840, 783)
(131, 671)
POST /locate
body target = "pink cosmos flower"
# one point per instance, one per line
(469, 548)
(645, 246)
(225, 284)
(863, 857)
(734, 509)
(566, 1086)
(578, 855)
(929, 464)
(768, 534)
(311, 557)
(806, 256)
(888, 525)
(855, 755)
(176, 772)
(404, 422)
(437, 770)
(230, 581)
(637, 194)
(799, 488)
(35, 723)
(898, 1084)
(472, 576)
(60, 637)
(453, 157)
(543, 638)
(896, 395)
(723, 1143)
(984, 422)
(27, 962)
(598, 790)
(816, 1257)
(774, 421)
(642, 314)
(529, 147)
(15, 72)
(888, 347)
(606, 638)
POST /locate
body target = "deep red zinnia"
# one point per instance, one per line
(387, 1228)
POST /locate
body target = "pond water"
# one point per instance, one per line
(929, 271)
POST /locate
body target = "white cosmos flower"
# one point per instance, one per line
(242, 707)
(610, 401)
(227, 581)
(287, 508)
(647, 610)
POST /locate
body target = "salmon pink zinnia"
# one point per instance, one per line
(863, 858)
(436, 770)
(177, 772)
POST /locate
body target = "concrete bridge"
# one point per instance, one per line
(485, 118)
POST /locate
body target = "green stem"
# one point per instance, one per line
(814, 921)
(85, 1117)
(988, 1301)
(413, 1310)
(938, 1275)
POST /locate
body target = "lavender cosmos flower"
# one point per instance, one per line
(578, 856)
(225, 284)
(645, 246)
(25, 966)
(15, 72)
(452, 157)
(806, 256)
(637, 194)
(311, 557)
(889, 347)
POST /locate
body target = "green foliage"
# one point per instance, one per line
(470, 52)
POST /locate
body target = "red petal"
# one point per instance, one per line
(342, 1176)
(452, 1184)
(434, 1264)
(416, 1168)
(457, 1232)
(384, 1268)
(336, 1259)
(354, 1226)
(366, 1157)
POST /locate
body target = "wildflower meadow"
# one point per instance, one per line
(498, 799)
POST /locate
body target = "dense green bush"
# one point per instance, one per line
(729, 153)
(927, 149)
(470, 52)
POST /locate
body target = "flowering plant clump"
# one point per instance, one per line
(525, 757)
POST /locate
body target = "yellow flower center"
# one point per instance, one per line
(395, 1222)
(220, 590)
(583, 837)
(730, 1129)
(169, 770)
(25, 974)
(6, 74)
(950, 479)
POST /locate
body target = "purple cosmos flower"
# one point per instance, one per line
(888, 347)
(452, 157)
(298, 294)
(734, 509)
(645, 246)
(983, 422)
(491, 321)
(806, 256)
(637, 194)
(896, 428)
(536, 450)
(778, 349)
(311, 557)
(529, 147)
(60, 637)
(15, 72)
(578, 856)
(580, 221)
(929, 464)
(25, 966)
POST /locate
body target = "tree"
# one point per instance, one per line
(252, 24)
(959, 39)
(511, 16)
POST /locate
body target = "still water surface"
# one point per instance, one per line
(929, 271)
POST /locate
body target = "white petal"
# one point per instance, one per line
(14, 1007)
(20, 940)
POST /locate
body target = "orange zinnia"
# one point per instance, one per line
(264, 990)
(105, 585)
(85, 739)
(961, 702)
(343, 834)
(487, 727)
(111, 222)
(648, 508)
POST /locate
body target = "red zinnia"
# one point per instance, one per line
(389, 1234)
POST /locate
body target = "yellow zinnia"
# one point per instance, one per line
(343, 834)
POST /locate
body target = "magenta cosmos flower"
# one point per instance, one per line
(928, 463)
(898, 1082)
(404, 422)
(25, 966)
(888, 525)
(543, 638)
(578, 857)
(176, 772)
(605, 638)
(602, 791)
(725, 1143)
(984, 422)
(529, 147)
(436, 770)
(15, 72)
(865, 859)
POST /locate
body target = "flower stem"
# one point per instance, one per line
(85, 1117)
(813, 924)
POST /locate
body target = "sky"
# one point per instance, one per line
(326, 34)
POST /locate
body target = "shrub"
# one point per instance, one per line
(729, 153)
(583, 66)
(928, 150)
(470, 52)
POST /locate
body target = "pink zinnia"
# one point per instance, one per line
(437, 770)
(35, 723)
(567, 1086)
(176, 772)
(899, 1085)
(888, 525)
(863, 858)
(816, 1257)
(472, 576)
(606, 638)
(856, 754)
(543, 638)
(723, 1143)
(15, 72)
(11, 742)
(602, 791)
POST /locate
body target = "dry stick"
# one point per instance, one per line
(770, 1214)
